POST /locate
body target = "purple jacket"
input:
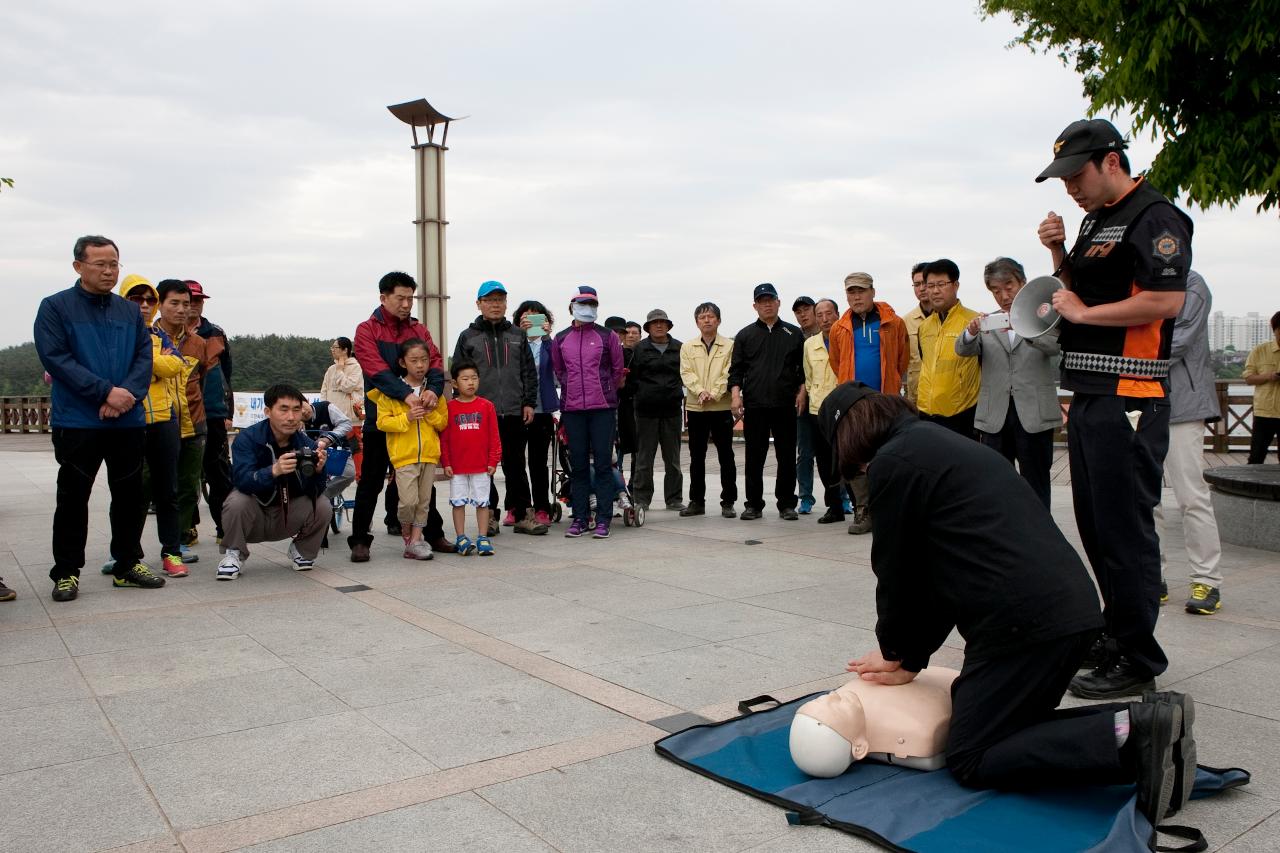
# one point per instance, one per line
(588, 362)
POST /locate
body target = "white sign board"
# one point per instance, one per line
(250, 408)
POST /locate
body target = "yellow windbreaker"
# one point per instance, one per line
(819, 378)
(948, 382)
(410, 442)
(706, 371)
(165, 362)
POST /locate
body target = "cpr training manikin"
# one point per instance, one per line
(903, 724)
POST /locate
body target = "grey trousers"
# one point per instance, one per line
(652, 433)
(244, 520)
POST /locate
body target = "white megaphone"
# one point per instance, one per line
(1032, 314)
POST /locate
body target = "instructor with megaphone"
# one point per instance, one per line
(1125, 278)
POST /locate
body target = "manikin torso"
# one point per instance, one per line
(903, 724)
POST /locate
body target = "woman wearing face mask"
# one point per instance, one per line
(587, 359)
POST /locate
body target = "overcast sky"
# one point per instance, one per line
(665, 153)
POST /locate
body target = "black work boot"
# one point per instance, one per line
(1112, 680)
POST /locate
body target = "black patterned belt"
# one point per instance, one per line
(1092, 362)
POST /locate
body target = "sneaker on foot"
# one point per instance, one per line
(66, 589)
(109, 567)
(1118, 677)
(229, 568)
(727, 511)
(750, 514)
(192, 537)
(806, 506)
(138, 575)
(601, 531)
(576, 529)
(300, 563)
(509, 520)
(1164, 591)
(464, 546)
(484, 547)
(1204, 599)
(543, 518)
(172, 565)
(694, 508)
(419, 550)
(189, 556)
(788, 514)
(6, 594)
(848, 506)
(831, 516)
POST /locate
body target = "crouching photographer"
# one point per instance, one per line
(278, 473)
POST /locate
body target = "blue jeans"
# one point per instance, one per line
(804, 457)
(591, 442)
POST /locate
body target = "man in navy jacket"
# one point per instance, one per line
(95, 346)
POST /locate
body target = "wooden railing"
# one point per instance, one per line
(1232, 432)
(31, 414)
(24, 414)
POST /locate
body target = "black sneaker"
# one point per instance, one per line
(750, 514)
(694, 508)
(1164, 591)
(1153, 732)
(833, 515)
(788, 515)
(6, 594)
(138, 576)
(66, 589)
(1184, 751)
(1112, 680)
(1205, 600)
(1099, 653)
(727, 511)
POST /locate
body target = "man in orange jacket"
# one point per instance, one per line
(868, 344)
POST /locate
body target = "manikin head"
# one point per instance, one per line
(829, 733)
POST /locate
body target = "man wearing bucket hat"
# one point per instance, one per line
(655, 378)
(1125, 277)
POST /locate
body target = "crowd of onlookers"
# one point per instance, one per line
(146, 388)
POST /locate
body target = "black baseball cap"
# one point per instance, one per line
(1077, 143)
(836, 406)
(764, 290)
(802, 301)
(616, 324)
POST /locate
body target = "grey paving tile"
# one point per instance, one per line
(112, 673)
(402, 675)
(324, 624)
(562, 580)
(218, 778)
(145, 629)
(814, 839)
(607, 638)
(1226, 738)
(97, 596)
(1250, 684)
(30, 645)
(821, 646)
(511, 616)
(485, 722)
(726, 620)
(459, 592)
(463, 822)
(703, 675)
(54, 734)
(1232, 817)
(25, 611)
(847, 603)
(632, 597)
(100, 803)
(1262, 838)
(635, 801)
(1195, 644)
(741, 580)
(259, 578)
(25, 685)
(187, 711)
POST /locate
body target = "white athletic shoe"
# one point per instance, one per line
(229, 568)
(300, 563)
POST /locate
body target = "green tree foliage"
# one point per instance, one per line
(258, 362)
(1203, 76)
(6, 182)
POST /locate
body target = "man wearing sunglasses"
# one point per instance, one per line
(98, 352)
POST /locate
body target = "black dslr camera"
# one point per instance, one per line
(306, 457)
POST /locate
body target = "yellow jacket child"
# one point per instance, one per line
(166, 362)
(410, 442)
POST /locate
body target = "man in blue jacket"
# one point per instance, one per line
(278, 473)
(94, 345)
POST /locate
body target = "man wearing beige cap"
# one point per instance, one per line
(659, 393)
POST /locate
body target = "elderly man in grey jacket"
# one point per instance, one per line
(1193, 402)
(1018, 399)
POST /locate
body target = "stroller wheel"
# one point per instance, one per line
(557, 512)
(628, 517)
(639, 511)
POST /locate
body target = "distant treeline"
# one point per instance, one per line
(257, 362)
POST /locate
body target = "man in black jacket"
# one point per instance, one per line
(766, 377)
(987, 560)
(509, 380)
(659, 394)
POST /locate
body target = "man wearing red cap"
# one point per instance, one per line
(217, 406)
(1125, 277)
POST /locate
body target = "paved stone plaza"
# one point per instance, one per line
(505, 703)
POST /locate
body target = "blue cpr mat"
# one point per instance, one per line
(913, 810)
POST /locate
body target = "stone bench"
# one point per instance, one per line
(1246, 501)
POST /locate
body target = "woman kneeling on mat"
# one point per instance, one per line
(961, 541)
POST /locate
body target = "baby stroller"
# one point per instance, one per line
(335, 468)
(561, 477)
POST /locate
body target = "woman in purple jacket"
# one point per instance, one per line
(587, 360)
